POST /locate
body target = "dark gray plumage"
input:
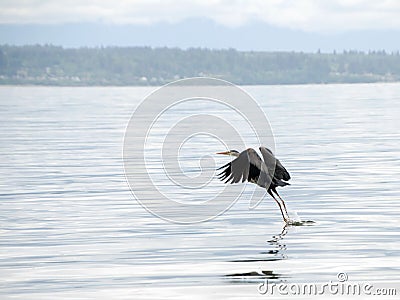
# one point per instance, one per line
(249, 166)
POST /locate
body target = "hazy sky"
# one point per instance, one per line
(308, 16)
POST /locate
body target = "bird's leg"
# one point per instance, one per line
(280, 206)
(283, 202)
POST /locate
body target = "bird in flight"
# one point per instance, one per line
(249, 166)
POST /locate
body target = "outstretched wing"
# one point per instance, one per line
(274, 165)
(247, 166)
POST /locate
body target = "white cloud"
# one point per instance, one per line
(308, 15)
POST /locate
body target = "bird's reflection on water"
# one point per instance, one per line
(277, 242)
(278, 252)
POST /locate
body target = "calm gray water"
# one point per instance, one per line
(70, 228)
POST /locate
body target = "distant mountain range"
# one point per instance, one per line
(205, 33)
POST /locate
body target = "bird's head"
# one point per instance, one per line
(230, 153)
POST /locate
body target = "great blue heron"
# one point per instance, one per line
(249, 166)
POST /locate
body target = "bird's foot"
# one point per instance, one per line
(290, 222)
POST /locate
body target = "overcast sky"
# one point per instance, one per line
(308, 16)
(313, 15)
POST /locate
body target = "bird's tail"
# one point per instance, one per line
(279, 182)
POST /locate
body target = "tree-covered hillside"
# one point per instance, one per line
(53, 65)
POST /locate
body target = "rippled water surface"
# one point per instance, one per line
(70, 228)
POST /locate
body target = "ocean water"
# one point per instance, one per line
(71, 228)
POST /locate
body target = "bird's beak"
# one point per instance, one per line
(224, 153)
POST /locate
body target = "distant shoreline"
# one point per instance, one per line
(144, 66)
